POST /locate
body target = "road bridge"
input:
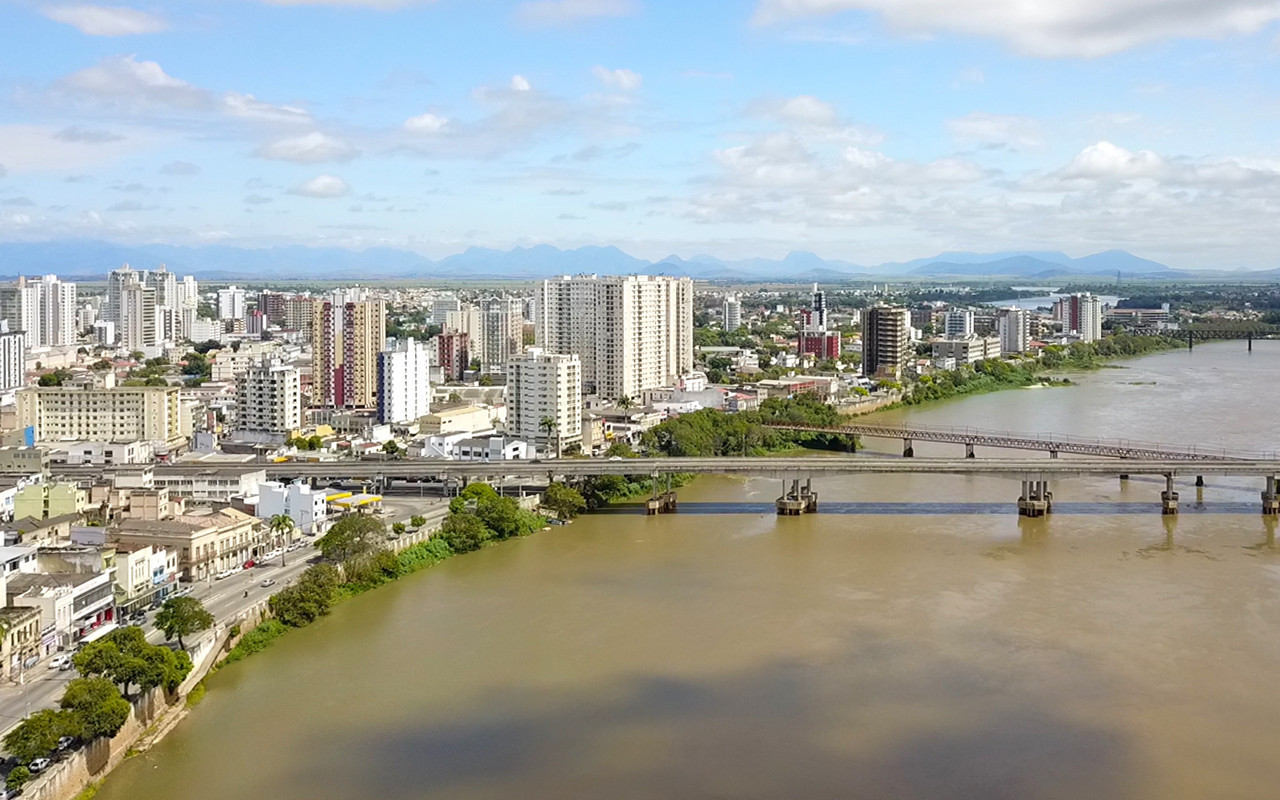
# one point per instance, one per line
(1051, 443)
(1035, 474)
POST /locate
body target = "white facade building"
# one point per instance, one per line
(137, 316)
(502, 320)
(57, 311)
(732, 313)
(957, 324)
(545, 386)
(13, 356)
(1014, 328)
(231, 303)
(307, 507)
(631, 333)
(268, 402)
(20, 306)
(404, 389)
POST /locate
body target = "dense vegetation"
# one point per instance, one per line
(715, 433)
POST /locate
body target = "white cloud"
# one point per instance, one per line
(106, 20)
(311, 148)
(39, 148)
(567, 12)
(326, 186)
(246, 106)
(426, 123)
(520, 83)
(124, 80)
(1082, 28)
(1106, 161)
(78, 133)
(1013, 132)
(623, 79)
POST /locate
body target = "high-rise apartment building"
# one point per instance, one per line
(404, 390)
(231, 303)
(502, 319)
(57, 311)
(630, 333)
(957, 324)
(268, 402)
(544, 399)
(299, 312)
(1080, 314)
(441, 307)
(346, 340)
(137, 329)
(732, 313)
(814, 338)
(122, 414)
(166, 285)
(13, 358)
(271, 304)
(20, 306)
(453, 354)
(886, 341)
(117, 279)
(1014, 327)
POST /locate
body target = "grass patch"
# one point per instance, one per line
(89, 791)
(196, 695)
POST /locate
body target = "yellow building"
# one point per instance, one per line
(45, 500)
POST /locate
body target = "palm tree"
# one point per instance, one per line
(548, 424)
(281, 525)
(625, 402)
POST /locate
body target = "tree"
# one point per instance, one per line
(314, 442)
(39, 733)
(100, 658)
(96, 706)
(182, 616)
(390, 447)
(505, 519)
(351, 536)
(417, 520)
(565, 501)
(399, 528)
(281, 525)
(464, 532)
(307, 600)
(620, 448)
(472, 497)
(549, 425)
(625, 402)
(17, 778)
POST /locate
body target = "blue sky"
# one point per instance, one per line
(865, 130)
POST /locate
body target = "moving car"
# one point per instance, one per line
(268, 583)
(60, 661)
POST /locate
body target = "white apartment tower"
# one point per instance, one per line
(13, 358)
(544, 399)
(231, 303)
(1015, 330)
(20, 306)
(137, 328)
(957, 324)
(732, 313)
(1080, 314)
(404, 391)
(502, 321)
(631, 333)
(57, 311)
(268, 402)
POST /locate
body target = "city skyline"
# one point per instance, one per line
(856, 129)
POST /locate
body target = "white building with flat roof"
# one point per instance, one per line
(268, 403)
(629, 333)
(544, 399)
(307, 507)
(404, 388)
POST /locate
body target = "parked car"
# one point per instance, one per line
(268, 583)
(60, 661)
(248, 564)
(39, 765)
(65, 743)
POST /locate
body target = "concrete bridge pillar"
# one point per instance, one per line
(1168, 498)
(1036, 499)
(968, 450)
(1199, 480)
(797, 500)
(1270, 500)
(1053, 454)
(908, 451)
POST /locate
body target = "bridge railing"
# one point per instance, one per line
(1050, 438)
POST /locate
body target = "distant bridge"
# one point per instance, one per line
(1051, 443)
(1204, 333)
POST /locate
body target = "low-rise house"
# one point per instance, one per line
(492, 448)
(20, 640)
(102, 454)
(471, 420)
(32, 530)
(45, 500)
(92, 600)
(307, 507)
(145, 574)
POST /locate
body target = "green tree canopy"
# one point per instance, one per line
(97, 707)
(182, 616)
(39, 733)
(308, 599)
(565, 501)
(352, 536)
(464, 532)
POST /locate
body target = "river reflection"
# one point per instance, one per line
(879, 649)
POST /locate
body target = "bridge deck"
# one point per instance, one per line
(1045, 442)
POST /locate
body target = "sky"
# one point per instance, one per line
(862, 130)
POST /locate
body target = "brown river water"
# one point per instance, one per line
(915, 639)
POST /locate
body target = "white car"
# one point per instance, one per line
(62, 661)
(39, 765)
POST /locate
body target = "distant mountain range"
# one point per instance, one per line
(87, 260)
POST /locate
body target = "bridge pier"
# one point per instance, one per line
(1270, 500)
(908, 451)
(1053, 454)
(1168, 498)
(1036, 500)
(968, 450)
(661, 502)
(1199, 480)
(797, 500)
